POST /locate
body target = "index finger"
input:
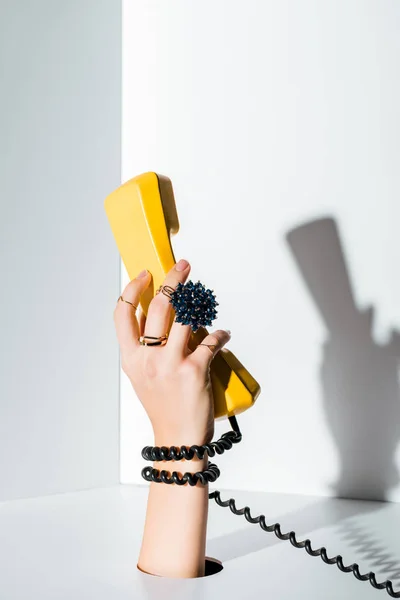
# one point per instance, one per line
(126, 323)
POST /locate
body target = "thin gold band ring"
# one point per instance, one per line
(166, 290)
(211, 347)
(127, 301)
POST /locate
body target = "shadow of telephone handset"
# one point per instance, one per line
(143, 217)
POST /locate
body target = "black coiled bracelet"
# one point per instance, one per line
(209, 475)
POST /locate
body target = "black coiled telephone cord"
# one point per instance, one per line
(155, 453)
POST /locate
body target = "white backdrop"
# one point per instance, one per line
(267, 116)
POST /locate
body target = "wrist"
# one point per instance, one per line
(181, 466)
(178, 439)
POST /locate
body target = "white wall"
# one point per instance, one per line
(268, 116)
(60, 156)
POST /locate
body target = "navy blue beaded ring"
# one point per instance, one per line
(194, 305)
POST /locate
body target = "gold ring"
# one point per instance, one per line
(166, 290)
(159, 340)
(127, 301)
(210, 346)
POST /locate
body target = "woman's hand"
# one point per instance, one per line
(172, 383)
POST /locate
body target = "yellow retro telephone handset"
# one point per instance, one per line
(143, 217)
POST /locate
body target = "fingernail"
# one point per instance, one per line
(142, 274)
(181, 265)
(228, 331)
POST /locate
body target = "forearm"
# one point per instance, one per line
(174, 537)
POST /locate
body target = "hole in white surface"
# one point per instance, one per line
(213, 566)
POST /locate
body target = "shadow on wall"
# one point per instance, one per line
(361, 401)
(359, 377)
